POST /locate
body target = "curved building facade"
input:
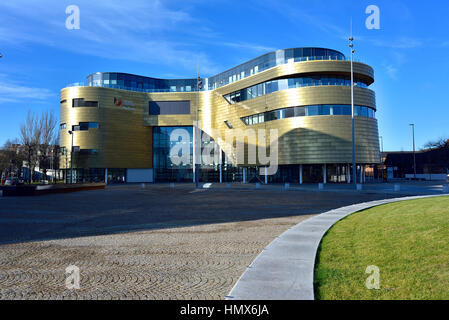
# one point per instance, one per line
(123, 125)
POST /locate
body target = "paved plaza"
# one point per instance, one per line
(155, 242)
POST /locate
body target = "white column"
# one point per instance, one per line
(106, 175)
(221, 165)
(324, 173)
(361, 174)
(348, 174)
(300, 174)
(364, 174)
(266, 175)
(244, 175)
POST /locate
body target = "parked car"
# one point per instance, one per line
(10, 181)
(13, 181)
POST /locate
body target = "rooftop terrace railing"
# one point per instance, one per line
(218, 84)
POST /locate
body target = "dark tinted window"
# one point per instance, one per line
(169, 107)
(79, 102)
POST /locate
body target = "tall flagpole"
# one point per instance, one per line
(196, 132)
(354, 168)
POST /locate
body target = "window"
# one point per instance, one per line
(79, 102)
(300, 112)
(162, 146)
(312, 111)
(283, 84)
(63, 151)
(88, 151)
(289, 112)
(236, 97)
(315, 110)
(228, 124)
(169, 107)
(84, 126)
(62, 126)
(325, 110)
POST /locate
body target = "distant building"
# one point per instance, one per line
(431, 164)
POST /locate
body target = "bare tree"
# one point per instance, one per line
(56, 156)
(47, 126)
(437, 144)
(11, 159)
(4, 162)
(30, 137)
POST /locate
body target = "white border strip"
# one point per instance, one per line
(284, 269)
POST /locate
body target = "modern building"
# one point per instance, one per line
(123, 124)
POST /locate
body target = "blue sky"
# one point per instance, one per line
(410, 52)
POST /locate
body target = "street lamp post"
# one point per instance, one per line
(414, 152)
(354, 168)
(196, 134)
(381, 155)
(71, 158)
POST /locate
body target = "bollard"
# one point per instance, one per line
(257, 185)
(143, 185)
(397, 187)
(359, 187)
(320, 186)
(446, 188)
(287, 186)
(172, 185)
(228, 186)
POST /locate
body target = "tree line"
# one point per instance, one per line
(36, 147)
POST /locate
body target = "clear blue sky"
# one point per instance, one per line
(410, 52)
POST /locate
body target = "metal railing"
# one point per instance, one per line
(286, 61)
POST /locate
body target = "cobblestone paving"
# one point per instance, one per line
(201, 262)
(197, 260)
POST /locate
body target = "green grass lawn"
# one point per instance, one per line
(409, 243)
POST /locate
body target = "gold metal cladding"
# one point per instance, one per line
(124, 136)
(122, 140)
(338, 67)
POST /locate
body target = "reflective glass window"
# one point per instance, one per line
(325, 110)
(312, 110)
(300, 111)
(289, 112)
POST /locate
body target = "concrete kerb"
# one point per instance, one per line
(284, 269)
